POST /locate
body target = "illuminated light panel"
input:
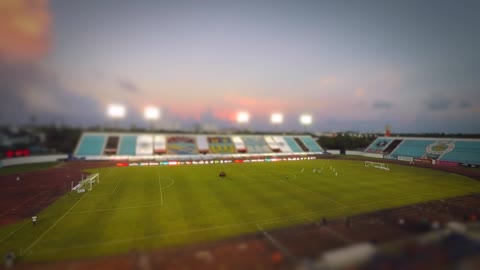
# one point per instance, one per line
(306, 119)
(243, 117)
(152, 113)
(276, 118)
(116, 111)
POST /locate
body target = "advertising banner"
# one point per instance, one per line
(409, 159)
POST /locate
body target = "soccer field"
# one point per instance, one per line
(159, 206)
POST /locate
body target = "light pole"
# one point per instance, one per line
(306, 120)
(243, 118)
(276, 119)
(152, 114)
(116, 112)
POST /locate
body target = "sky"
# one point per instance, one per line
(352, 65)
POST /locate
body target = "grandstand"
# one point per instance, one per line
(94, 145)
(432, 150)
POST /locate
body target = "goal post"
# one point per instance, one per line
(86, 183)
(377, 165)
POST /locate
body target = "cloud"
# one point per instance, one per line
(359, 93)
(25, 29)
(128, 86)
(382, 104)
(28, 89)
(439, 103)
(464, 104)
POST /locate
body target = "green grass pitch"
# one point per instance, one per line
(159, 206)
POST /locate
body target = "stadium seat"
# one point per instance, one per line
(311, 144)
(256, 144)
(293, 145)
(378, 145)
(91, 145)
(464, 152)
(412, 148)
(127, 145)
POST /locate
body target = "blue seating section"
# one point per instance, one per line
(412, 148)
(293, 145)
(128, 145)
(256, 144)
(465, 152)
(378, 145)
(91, 145)
(94, 144)
(311, 144)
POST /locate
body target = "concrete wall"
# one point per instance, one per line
(30, 160)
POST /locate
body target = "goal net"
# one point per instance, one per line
(378, 165)
(86, 183)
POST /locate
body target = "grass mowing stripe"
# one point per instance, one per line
(162, 235)
(317, 193)
(203, 207)
(115, 209)
(10, 234)
(51, 227)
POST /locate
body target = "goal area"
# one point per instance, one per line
(377, 165)
(86, 183)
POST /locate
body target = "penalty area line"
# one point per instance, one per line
(51, 227)
(160, 187)
(10, 234)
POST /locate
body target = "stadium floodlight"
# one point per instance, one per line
(243, 117)
(151, 113)
(116, 111)
(276, 118)
(306, 119)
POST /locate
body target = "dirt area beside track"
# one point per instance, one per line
(287, 248)
(37, 190)
(276, 249)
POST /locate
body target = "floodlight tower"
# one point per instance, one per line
(243, 118)
(152, 114)
(306, 120)
(116, 112)
(276, 119)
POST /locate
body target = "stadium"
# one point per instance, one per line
(239, 134)
(236, 201)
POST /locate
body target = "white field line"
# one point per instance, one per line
(117, 185)
(160, 187)
(10, 234)
(6, 237)
(110, 193)
(163, 235)
(115, 209)
(51, 227)
(313, 212)
(276, 243)
(318, 194)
